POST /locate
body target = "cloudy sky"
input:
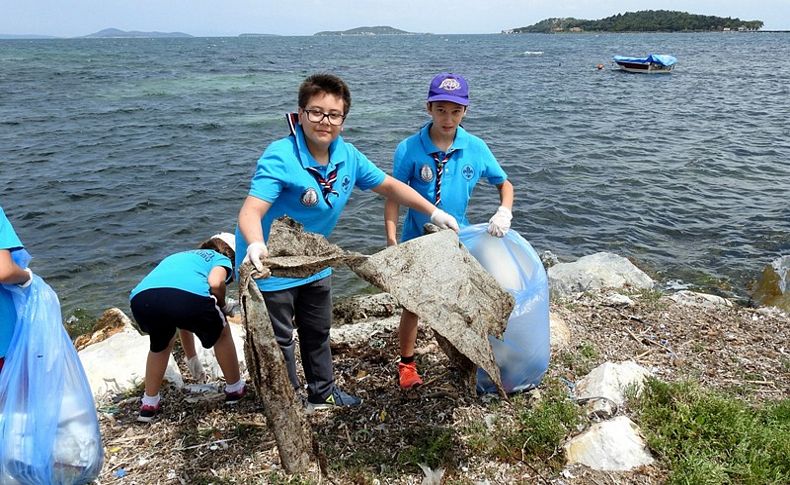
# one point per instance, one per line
(68, 18)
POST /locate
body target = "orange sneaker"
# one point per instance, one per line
(408, 376)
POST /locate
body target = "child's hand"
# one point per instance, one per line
(499, 223)
(255, 252)
(444, 220)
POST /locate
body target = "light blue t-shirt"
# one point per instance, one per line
(8, 241)
(186, 271)
(283, 179)
(414, 165)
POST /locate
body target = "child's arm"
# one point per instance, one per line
(402, 194)
(216, 284)
(10, 273)
(391, 209)
(250, 217)
(506, 194)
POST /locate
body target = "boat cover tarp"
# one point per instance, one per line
(660, 59)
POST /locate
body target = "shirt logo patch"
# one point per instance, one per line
(346, 183)
(450, 85)
(468, 172)
(426, 173)
(309, 197)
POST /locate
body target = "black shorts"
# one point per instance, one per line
(160, 311)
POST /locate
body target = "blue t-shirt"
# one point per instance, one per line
(282, 178)
(10, 242)
(470, 159)
(186, 271)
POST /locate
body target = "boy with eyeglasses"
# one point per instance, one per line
(309, 175)
(443, 162)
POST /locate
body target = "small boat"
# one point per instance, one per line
(652, 64)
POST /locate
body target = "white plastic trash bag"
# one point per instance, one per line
(523, 354)
(49, 431)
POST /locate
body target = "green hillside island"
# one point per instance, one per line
(378, 30)
(642, 21)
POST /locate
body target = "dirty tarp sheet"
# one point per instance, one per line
(433, 276)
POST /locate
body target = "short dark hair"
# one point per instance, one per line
(324, 83)
(220, 246)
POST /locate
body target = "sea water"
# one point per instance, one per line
(117, 152)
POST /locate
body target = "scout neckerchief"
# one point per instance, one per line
(439, 172)
(326, 184)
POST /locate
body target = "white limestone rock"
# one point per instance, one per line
(356, 333)
(610, 381)
(703, 300)
(594, 272)
(618, 300)
(116, 365)
(613, 445)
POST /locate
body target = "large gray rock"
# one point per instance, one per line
(594, 272)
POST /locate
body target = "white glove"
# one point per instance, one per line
(444, 220)
(255, 252)
(196, 368)
(499, 223)
(29, 280)
(231, 307)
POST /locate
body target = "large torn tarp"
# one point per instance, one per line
(436, 278)
(266, 366)
(432, 276)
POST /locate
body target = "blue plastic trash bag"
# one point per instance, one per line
(523, 354)
(49, 431)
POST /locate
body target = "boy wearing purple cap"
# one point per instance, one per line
(443, 162)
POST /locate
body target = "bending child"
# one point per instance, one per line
(186, 291)
(443, 162)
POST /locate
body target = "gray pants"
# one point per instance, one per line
(309, 309)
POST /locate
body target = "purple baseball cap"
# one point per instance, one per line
(449, 87)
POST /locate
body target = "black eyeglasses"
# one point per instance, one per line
(315, 115)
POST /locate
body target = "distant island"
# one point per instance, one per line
(642, 21)
(133, 34)
(378, 30)
(25, 36)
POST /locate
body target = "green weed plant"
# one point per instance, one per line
(707, 437)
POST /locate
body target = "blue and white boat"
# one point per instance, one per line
(652, 64)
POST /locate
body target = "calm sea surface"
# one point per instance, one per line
(115, 153)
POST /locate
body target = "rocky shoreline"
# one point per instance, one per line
(597, 317)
